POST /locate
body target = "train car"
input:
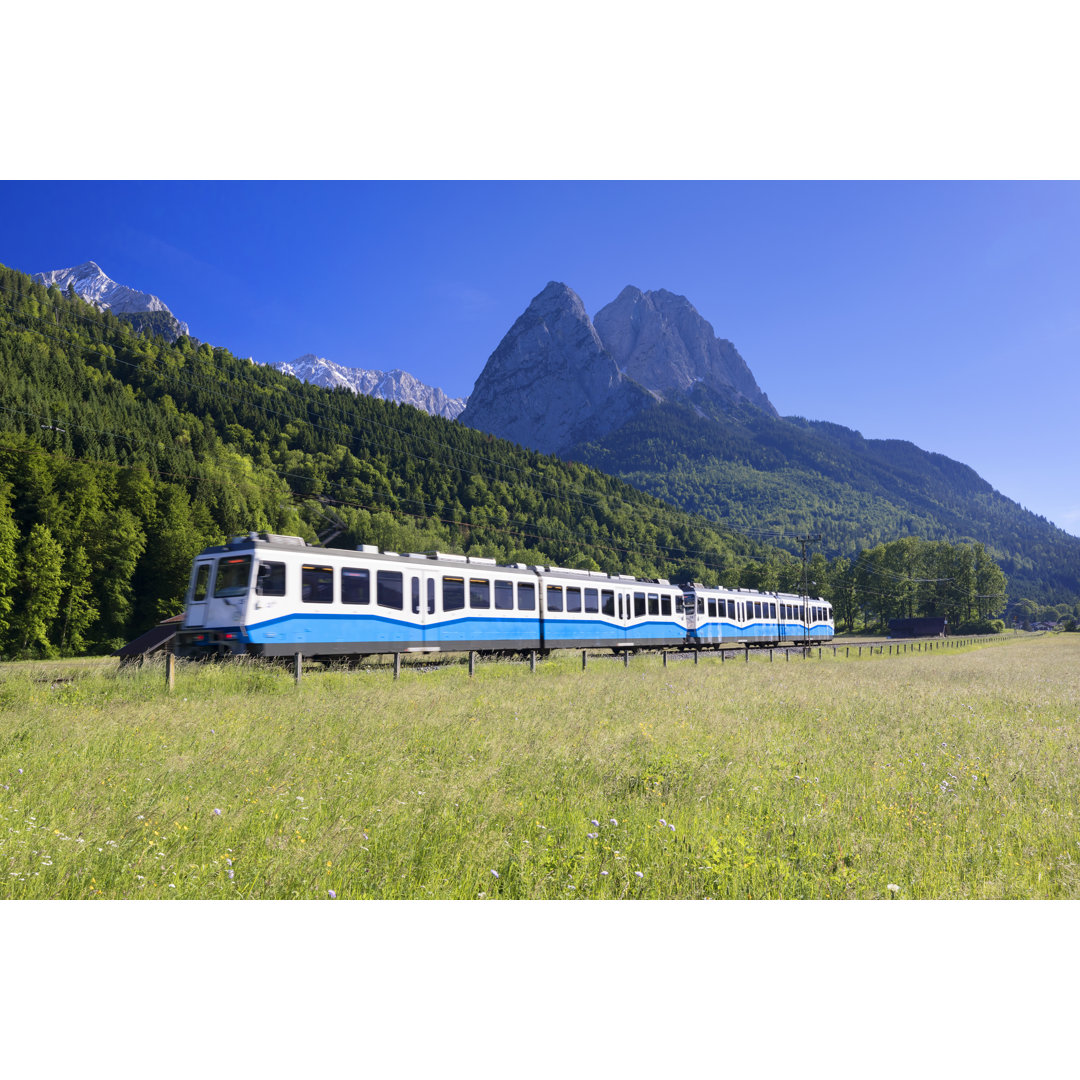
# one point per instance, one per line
(745, 617)
(269, 595)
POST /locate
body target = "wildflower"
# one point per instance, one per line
(603, 873)
(638, 873)
(495, 873)
(663, 822)
(592, 835)
(613, 821)
(593, 821)
(331, 894)
(671, 827)
(217, 811)
(894, 889)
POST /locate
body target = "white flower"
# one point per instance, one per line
(893, 888)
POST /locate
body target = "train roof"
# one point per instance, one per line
(282, 542)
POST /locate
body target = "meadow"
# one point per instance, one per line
(951, 774)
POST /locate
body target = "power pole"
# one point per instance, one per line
(804, 540)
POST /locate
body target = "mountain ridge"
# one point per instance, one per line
(90, 282)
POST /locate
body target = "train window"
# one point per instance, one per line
(355, 585)
(526, 596)
(202, 582)
(620, 606)
(554, 598)
(665, 605)
(731, 609)
(270, 579)
(757, 609)
(679, 604)
(592, 601)
(479, 593)
(504, 595)
(607, 601)
(232, 576)
(802, 615)
(654, 603)
(712, 608)
(772, 611)
(701, 605)
(639, 604)
(317, 585)
(573, 599)
(431, 596)
(453, 593)
(390, 589)
(416, 596)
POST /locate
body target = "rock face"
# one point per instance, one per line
(659, 340)
(550, 383)
(558, 379)
(96, 287)
(395, 385)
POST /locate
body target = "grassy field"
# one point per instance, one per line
(952, 774)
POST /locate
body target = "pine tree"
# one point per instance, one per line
(41, 585)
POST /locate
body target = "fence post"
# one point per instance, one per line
(170, 671)
(664, 655)
(585, 661)
(532, 660)
(397, 664)
(298, 667)
(626, 658)
(697, 656)
(472, 663)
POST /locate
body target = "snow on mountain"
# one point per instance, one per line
(394, 385)
(96, 287)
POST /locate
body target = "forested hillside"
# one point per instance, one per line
(781, 478)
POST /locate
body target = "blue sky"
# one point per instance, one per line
(940, 312)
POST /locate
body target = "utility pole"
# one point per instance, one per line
(804, 540)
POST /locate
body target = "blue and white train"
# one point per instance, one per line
(269, 595)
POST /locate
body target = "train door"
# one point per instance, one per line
(200, 592)
(690, 610)
(422, 601)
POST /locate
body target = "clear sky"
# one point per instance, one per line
(940, 312)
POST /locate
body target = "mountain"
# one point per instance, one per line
(648, 393)
(394, 385)
(659, 340)
(550, 382)
(95, 286)
(559, 378)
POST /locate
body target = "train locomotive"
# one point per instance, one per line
(274, 596)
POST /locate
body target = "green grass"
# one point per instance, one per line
(951, 774)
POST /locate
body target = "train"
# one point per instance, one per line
(269, 595)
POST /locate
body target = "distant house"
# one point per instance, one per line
(158, 639)
(922, 627)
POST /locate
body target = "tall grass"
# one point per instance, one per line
(949, 774)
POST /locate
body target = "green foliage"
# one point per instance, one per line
(777, 479)
(140, 452)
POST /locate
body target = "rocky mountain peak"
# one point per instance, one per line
(396, 385)
(96, 287)
(660, 340)
(550, 382)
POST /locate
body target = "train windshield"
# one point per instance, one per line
(233, 575)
